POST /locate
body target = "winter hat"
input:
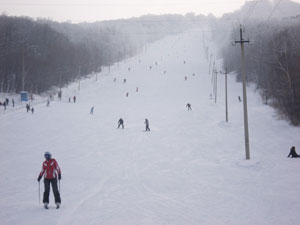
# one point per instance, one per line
(47, 155)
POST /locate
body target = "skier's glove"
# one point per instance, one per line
(39, 178)
(59, 176)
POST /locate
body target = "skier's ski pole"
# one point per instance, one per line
(59, 185)
(39, 193)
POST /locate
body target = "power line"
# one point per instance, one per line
(274, 9)
(250, 11)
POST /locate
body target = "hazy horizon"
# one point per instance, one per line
(91, 10)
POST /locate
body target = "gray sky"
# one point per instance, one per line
(95, 10)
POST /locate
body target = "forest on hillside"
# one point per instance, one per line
(36, 55)
(272, 55)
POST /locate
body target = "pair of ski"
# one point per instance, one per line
(47, 207)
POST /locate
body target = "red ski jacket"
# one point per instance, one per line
(50, 169)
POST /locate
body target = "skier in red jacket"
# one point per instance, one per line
(51, 172)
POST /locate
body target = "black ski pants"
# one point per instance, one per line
(54, 189)
(147, 128)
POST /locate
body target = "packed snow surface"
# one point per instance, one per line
(190, 169)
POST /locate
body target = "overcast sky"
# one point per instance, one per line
(95, 10)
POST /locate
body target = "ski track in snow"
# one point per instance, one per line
(188, 170)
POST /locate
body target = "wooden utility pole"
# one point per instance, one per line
(226, 101)
(209, 64)
(242, 41)
(215, 84)
(79, 73)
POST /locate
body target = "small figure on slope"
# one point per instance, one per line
(50, 171)
(293, 153)
(147, 125)
(92, 110)
(189, 106)
(121, 123)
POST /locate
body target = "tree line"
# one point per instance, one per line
(272, 62)
(36, 55)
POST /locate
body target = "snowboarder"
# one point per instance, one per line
(92, 110)
(74, 98)
(189, 106)
(147, 125)
(293, 153)
(121, 123)
(50, 171)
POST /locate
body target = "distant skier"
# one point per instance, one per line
(74, 98)
(32, 110)
(147, 125)
(13, 102)
(48, 102)
(156, 63)
(293, 153)
(137, 89)
(193, 74)
(121, 123)
(7, 101)
(27, 107)
(128, 68)
(189, 106)
(185, 78)
(210, 96)
(69, 99)
(150, 67)
(59, 95)
(50, 171)
(165, 72)
(183, 62)
(124, 81)
(115, 79)
(92, 110)
(127, 94)
(4, 104)
(239, 97)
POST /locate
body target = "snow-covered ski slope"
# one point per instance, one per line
(190, 169)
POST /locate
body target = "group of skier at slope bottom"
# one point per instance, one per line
(121, 124)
